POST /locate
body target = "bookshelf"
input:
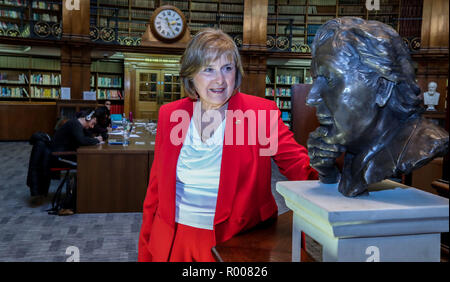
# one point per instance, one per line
(29, 78)
(129, 18)
(37, 18)
(279, 81)
(293, 23)
(107, 80)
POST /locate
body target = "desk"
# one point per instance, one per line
(114, 178)
(266, 242)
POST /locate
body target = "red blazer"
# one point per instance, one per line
(244, 197)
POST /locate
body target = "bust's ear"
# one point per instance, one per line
(384, 91)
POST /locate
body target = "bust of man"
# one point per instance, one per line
(431, 97)
(368, 106)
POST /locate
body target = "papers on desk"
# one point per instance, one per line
(139, 143)
(118, 132)
(140, 123)
(134, 136)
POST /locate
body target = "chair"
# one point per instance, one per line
(62, 164)
(42, 163)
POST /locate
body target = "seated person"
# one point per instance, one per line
(103, 125)
(70, 136)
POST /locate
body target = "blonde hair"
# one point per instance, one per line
(207, 46)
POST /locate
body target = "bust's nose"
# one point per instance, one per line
(314, 98)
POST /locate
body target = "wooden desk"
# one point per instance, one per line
(270, 241)
(114, 178)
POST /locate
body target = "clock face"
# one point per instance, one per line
(168, 24)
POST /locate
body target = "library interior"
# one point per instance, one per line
(101, 77)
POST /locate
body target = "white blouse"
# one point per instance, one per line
(198, 175)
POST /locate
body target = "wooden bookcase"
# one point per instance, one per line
(302, 18)
(27, 78)
(130, 17)
(279, 81)
(23, 18)
(107, 80)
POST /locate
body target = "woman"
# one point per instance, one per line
(210, 179)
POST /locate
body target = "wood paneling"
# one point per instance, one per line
(435, 24)
(76, 22)
(113, 178)
(255, 24)
(76, 69)
(254, 81)
(18, 121)
(304, 118)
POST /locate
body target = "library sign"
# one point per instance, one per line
(72, 5)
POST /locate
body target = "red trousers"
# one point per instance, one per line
(190, 244)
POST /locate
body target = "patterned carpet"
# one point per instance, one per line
(28, 233)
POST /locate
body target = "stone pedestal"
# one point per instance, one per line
(392, 223)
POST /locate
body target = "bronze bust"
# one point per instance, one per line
(368, 106)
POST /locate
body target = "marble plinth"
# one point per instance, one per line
(392, 223)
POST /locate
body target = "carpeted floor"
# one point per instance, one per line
(28, 233)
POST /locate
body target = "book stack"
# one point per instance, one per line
(50, 93)
(14, 92)
(109, 81)
(109, 94)
(139, 3)
(47, 79)
(270, 92)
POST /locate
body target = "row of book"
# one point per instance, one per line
(283, 92)
(15, 92)
(13, 78)
(322, 2)
(37, 92)
(10, 14)
(45, 5)
(288, 79)
(228, 28)
(203, 6)
(182, 5)
(116, 109)
(109, 94)
(109, 81)
(231, 8)
(286, 116)
(283, 104)
(45, 17)
(319, 19)
(49, 79)
(290, 2)
(16, 3)
(7, 26)
(351, 10)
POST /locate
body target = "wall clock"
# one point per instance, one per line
(168, 24)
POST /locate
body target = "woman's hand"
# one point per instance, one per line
(323, 155)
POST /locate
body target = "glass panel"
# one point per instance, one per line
(144, 87)
(167, 77)
(153, 87)
(143, 77)
(176, 88)
(167, 88)
(153, 77)
(176, 78)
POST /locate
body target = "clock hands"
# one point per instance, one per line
(169, 24)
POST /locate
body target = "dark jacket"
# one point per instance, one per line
(38, 178)
(70, 136)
